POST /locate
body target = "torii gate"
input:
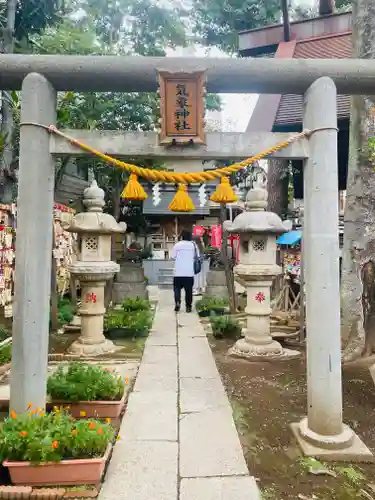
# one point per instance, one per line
(323, 432)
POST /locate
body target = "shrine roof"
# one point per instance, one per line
(290, 108)
(278, 111)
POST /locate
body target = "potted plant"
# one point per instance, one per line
(88, 390)
(209, 304)
(122, 324)
(225, 326)
(53, 449)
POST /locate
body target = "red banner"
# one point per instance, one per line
(198, 231)
(216, 236)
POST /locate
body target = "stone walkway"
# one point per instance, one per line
(178, 440)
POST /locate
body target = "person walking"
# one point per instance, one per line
(186, 256)
(199, 278)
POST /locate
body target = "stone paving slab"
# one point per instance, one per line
(209, 445)
(200, 394)
(199, 344)
(155, 370)
(151, 381)
(164, 339)
(219, 488)
(142, 471)
(160, 354)
(196, 364)
(150, 415)
(187, 326)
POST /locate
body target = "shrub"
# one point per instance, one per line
(136, 323)
(209, 303)
(4, 333)
(130, 304)
(36, 437)
(6, 354)
(65, 311)
(113, 320)
(81, 382)
(224, 326)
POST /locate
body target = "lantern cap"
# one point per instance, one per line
(93, 198)
(256, 219)
(94, 220)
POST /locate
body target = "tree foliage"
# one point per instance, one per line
(217, 22)
(32, 16)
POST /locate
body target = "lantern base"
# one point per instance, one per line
(82, 348)
(261, 351)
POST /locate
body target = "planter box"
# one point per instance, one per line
(94, 409)
(123, 333)
(66, 472)
(206, 314)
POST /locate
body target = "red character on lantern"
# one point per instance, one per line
(90, 297)
(260, 297)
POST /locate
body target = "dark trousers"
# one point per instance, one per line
(186, 283)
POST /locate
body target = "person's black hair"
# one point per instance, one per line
(186, 235)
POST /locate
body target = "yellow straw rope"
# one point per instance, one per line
(174, 177)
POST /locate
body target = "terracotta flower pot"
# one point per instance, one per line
(66, 472)
(94, 409)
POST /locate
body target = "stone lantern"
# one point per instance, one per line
(257, 268)
(93, 268)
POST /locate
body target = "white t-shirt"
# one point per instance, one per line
(183, 253)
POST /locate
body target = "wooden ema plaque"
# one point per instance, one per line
(182, 108)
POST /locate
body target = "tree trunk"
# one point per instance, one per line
(277, 186)
(358, 266)
(7, 124)
(326, 7)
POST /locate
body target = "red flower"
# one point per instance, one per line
(260, 297)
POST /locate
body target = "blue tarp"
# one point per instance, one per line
(290, 238)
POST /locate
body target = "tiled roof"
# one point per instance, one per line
(329, 47)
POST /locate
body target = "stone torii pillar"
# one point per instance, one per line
(323, 434)
(34, 247)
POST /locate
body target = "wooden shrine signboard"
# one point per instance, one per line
(182, 108)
